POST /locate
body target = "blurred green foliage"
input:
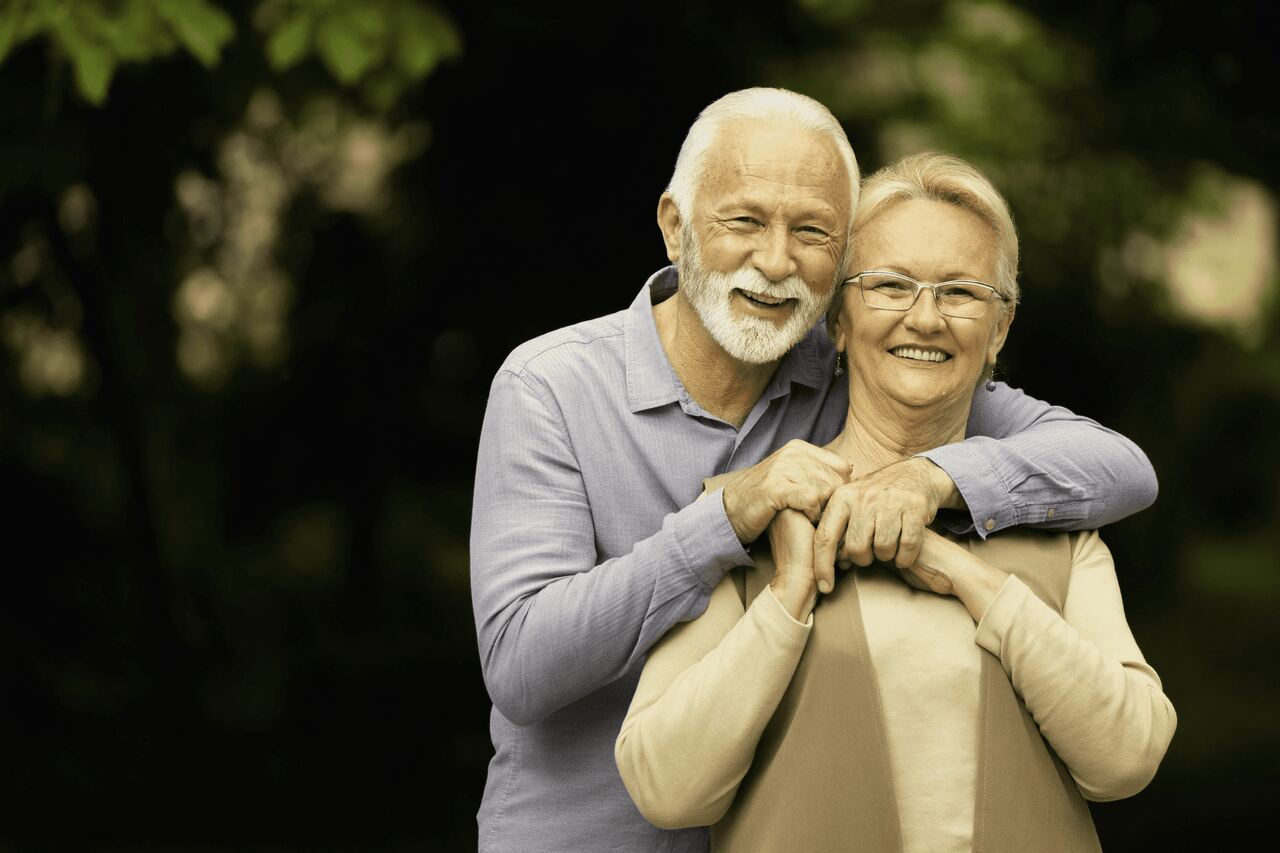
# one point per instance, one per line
(387, 44)
(96, 36)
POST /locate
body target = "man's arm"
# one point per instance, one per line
(1025, 463)
(553, 625)
(1029, 463)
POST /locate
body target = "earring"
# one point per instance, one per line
(991, 377)
(839, 371)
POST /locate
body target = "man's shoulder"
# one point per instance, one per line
(591, 343)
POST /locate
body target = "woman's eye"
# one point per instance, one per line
(957, 294)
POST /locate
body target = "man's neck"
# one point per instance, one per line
(718, 382)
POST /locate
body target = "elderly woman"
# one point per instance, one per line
(972, 701)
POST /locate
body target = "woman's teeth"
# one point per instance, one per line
(919, 354)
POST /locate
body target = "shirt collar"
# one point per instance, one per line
(651, 381)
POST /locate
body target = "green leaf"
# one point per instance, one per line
(370, 22)
(424, 37)
(92, 62)
(10, 15)
(139, 34)
(202, 28)
(346, 47)
(290, 42)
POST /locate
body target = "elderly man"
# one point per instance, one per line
(588, 541)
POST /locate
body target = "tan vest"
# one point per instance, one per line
(809, 791)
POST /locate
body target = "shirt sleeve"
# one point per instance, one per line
(707, 692)
(1028, 463)
(1082, 676)
(553, 625)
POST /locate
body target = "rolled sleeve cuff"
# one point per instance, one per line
(706, 540)
(1004, 609)
(986, 495)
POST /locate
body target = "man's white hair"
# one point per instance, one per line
(778, 106)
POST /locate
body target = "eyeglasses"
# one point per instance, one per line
(891, 291)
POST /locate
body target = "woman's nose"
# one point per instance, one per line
(924, 315)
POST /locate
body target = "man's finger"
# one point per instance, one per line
(909, 542)
(885, 541)
(808, 500)
(830, 533)
(858, 537)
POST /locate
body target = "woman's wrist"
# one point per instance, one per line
(796, 594)
(976, 585)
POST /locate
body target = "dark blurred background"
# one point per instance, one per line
(259, 261)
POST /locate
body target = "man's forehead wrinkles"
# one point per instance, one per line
(794, 177)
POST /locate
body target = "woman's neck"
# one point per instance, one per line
(879, 430)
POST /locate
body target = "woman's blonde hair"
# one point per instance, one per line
(948, 179)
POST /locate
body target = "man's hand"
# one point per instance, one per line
(798, 475)
(883, 515)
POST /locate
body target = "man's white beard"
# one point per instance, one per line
(754, 340)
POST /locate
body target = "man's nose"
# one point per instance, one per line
(772, 255)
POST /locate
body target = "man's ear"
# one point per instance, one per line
(669, 223)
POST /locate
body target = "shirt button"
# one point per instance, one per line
(1051, 513)
(991, 524)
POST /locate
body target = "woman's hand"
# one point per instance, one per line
(882, 515)
(948, 568)
(795, 583)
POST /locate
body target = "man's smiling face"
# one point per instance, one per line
(765, 237)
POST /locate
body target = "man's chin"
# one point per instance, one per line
(753, 347)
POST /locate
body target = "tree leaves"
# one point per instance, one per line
(351, 41)
(95, 36)
(91, 60)
(382, 45)
(290, 42)
(203, 29)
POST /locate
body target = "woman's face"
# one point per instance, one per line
(931, 242)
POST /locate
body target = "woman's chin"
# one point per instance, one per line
(925, 394)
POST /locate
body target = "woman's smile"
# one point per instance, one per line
(928, 355)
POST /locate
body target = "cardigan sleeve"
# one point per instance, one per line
(708, 690)
(1082, 676)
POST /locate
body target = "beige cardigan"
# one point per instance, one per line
(710, 688)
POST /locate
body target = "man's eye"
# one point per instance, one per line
(812, 231)
(746, 220)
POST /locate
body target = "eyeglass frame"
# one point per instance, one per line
(920, 286)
